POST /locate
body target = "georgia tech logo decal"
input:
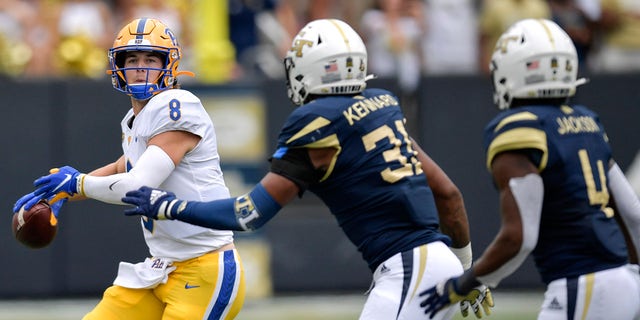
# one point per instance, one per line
(504, 42)
(298, 45)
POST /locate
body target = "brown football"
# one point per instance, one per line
(37, 227)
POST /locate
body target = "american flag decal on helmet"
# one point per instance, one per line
(332, 66)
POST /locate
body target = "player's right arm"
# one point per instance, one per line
(109, 169)
(106, 170)
(292, 170)
(246, 212)
(514, 174)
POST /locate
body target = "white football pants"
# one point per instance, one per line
(399, 280)
(607, 295)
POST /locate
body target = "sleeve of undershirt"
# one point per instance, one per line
(151, 169)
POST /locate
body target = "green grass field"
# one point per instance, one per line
(509, 306)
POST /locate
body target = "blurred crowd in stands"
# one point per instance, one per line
(235, 40)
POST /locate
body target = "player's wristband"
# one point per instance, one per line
(464, 254)
(80, 184)
(247, 212)
(170, 209)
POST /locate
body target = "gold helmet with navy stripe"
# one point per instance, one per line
(327, 57)
(151, 35)
(534, 59)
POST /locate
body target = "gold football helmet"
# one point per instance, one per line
(145, 34)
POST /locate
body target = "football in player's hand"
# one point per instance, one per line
(35, 228)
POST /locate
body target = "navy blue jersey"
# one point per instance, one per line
(578, 234)
(375, 185)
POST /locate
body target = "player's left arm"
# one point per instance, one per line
(450, 204)
(627, 204)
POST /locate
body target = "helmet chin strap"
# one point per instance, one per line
(142, 91)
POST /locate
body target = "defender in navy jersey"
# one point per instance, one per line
(350, 147)
(568, 146)
(369, 193)
(562, 197)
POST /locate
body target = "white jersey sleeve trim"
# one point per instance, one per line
(153, 167)
(528, 192)
(627, 203)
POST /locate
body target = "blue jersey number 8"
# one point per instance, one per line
(174, 109)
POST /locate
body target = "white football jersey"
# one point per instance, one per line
(197, 177)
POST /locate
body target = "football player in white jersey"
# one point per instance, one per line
(168, 141)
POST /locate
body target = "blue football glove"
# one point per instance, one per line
(447, 293)
(29, 198)
(55, 202)
(63, 179)
(60, 181)
(153, 203)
